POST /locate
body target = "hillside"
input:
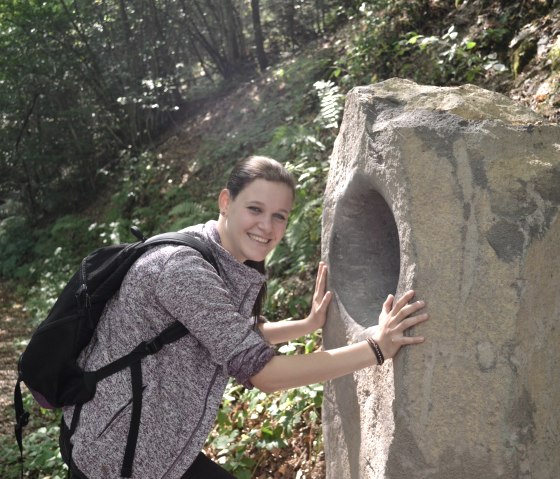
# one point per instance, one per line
(242, 120)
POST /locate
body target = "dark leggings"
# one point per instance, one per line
(201, 468)
(204, 468)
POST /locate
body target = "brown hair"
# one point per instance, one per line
(243, 173)
(258, 167)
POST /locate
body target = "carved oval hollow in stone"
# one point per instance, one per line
(364, 222)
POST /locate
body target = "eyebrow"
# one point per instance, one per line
(260, 203)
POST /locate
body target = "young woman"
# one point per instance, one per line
(183, 384)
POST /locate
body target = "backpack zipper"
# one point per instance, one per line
(82, 290)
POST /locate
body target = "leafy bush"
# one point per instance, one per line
(388, 41)
(40, 446)
(17, 240)
(252, 427)
(448, 59)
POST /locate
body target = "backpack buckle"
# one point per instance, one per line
(153, 346)
(22, 420)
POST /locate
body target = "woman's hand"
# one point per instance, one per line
(281, 331)
(321, 300)
(394, 320)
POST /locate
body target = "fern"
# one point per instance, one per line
(332, 103)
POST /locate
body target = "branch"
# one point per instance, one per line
(25, 122)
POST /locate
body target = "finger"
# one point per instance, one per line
(317, 292)
(388, 303)
(318, 277)
(324, 304)
(409, 309)
(407, 340)
(403, 300)
(321, 277)
(326, 301)
(413, 321)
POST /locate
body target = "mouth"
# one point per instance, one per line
(258, 239)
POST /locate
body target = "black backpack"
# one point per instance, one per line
(48, 366)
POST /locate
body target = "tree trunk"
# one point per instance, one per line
(320, 12)
(290, 23)
(257, 29)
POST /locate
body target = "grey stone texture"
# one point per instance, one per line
(455, 193)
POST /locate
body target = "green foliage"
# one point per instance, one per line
(290, 25)
(252, 425)
(440, 57)
(357, 59)
(17, 239)
(81, 81)
(40, 444)
(50, 126)
(554, 55)
(189, 212)
(448, 59)
(388, 41)
(331, 103)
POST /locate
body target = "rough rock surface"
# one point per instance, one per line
(454, 192)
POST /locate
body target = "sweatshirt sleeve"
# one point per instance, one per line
(248, 363)
(191, 291)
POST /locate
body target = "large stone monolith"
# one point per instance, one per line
(455, 193)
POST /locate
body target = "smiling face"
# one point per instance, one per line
(254, 222)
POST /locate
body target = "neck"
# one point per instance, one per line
(222, 227)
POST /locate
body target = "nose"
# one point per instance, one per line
(265, 224)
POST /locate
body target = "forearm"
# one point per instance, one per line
(283, 331)
(284, 372)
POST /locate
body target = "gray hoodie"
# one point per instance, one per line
(185, 381)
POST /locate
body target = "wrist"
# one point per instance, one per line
(383, 341)
(374, 345)
(312, 323)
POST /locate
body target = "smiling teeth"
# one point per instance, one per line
(259, 239)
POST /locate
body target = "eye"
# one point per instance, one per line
(254, 209)
(281, 217)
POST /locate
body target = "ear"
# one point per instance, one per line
(224, 199)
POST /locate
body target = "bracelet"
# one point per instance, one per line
(377, 350)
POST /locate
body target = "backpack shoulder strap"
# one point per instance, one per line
(184, 239)
(171, 333)
(133, 360)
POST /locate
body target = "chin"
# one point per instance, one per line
(257, 254)
(256, 259)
